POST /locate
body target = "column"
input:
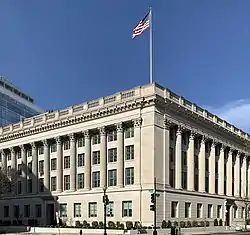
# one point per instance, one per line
(34, 168)
(237, 176)
(103, 157)
(137, 151)
(190, 163)
(229, 173)
(243, 177)
(13, 173)
(178, 157)
(59, 163)
(120, 155)
(167, 125)
(13, 159)
(87, 165)
(46, 166)
(72, 162)
(202, 165)
(221, 170)
(4, 162)
(212, 169)
(24, 169)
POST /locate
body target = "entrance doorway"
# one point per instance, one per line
(50, 219)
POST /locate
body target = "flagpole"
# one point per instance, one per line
(150, 46)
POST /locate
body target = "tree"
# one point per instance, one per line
(8, 181)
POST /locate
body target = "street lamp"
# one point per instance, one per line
(105, 203)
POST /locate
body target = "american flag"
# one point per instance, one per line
(141, 26)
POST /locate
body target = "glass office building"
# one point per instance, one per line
(14, 104)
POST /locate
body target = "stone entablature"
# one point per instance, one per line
(117, 103)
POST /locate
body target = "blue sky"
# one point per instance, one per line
(66, 52)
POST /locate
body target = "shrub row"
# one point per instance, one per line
(189, 224)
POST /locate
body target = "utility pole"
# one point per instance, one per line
(105, 203)
(154, 195)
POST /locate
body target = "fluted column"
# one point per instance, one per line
(120, 155)
(237, 176)
(46, 166)
(59, 163)
(190, 162)
(13, 159)
(221, 170)
(212, 169)
(72, 162)
(178, 157)
(14, 170)
(103, 157)
(167, 125)
(34, 168)
(202, 165)
(24, 169)
(137, 150)
(243, 177)
(87, 166)
(229, 173)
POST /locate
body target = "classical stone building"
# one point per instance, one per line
(123, 141)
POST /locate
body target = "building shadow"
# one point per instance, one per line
(25, 201)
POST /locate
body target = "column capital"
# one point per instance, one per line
(239, 153)
(137, 122)
(214, 143)
(180, 130)
(22, 147)
(58, 140)
(231, 151)
(223, 147)
(33, 145)
(204, 139)
(86, 134)
(45, 143)
(102, 130)
(12, 150)
(72, 137)
(119, 127)
(193, 134)
(167, 123)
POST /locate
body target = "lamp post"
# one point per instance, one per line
(105, 203)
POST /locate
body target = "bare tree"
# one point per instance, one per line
(8, 181)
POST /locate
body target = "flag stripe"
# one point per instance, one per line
(141, 26)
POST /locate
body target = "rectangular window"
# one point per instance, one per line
(26, 211)
(67, 182)
(66, 162)
(66, 145)
(129, 175)
(40, 150)
(8, 155)
(19, 169)
(19, 187)
(112, 155)
(199, 210)
(29, 152)
(96, 157)
(112, 136)
(187, 209)
(210, 211)
(112, 177)
(6, 211)
(63, 210)
(96, 139)
(96, 179)
(53, 183)
(235, 212)
(29, 185)
(8, 170)
(16, 211)
(80, 181)
(80, 159)
(38, 211)
(174, 209)
(53, 148)
(30, 167)
(18, 154)
(110, 209)
(129, 152)
(129, 132)
(127, 209)
(41, 185)
(81, 142)
(92, 209)
(53, 164)
(171, 154)
(242, 212)
(77, 210)
(41, 167)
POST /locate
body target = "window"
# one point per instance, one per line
(112, 177)
(210, 211)
(112, 136)
(40, 150)
(242, 212)
(96, 179)
(29, 152)
(66, 145)
(219, 207)
(53, 148)
(41, 167)
(6, 211)
(19, 187)
(129, 132)
(129, 152)
(38, 211)
(199, 210)
(235, 211)
(8, 155)
(30, 167)
(187, 209)
(127, 209)
(96, 157)
(77, 209)
(174, 209)
(67, 182)
(41, 185)
(16, 211)
(8, 170)
(129, 175)
(53, 164)
(66, 162)
(80, 159)
(29, 185)
(93, 209)
(110, 209)
(81, 142)
(63, 210)
(96, 139)
(112, 155)
(53, 183)
(18, 154)
(80, 181)
(171, 154)
(26, 210)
